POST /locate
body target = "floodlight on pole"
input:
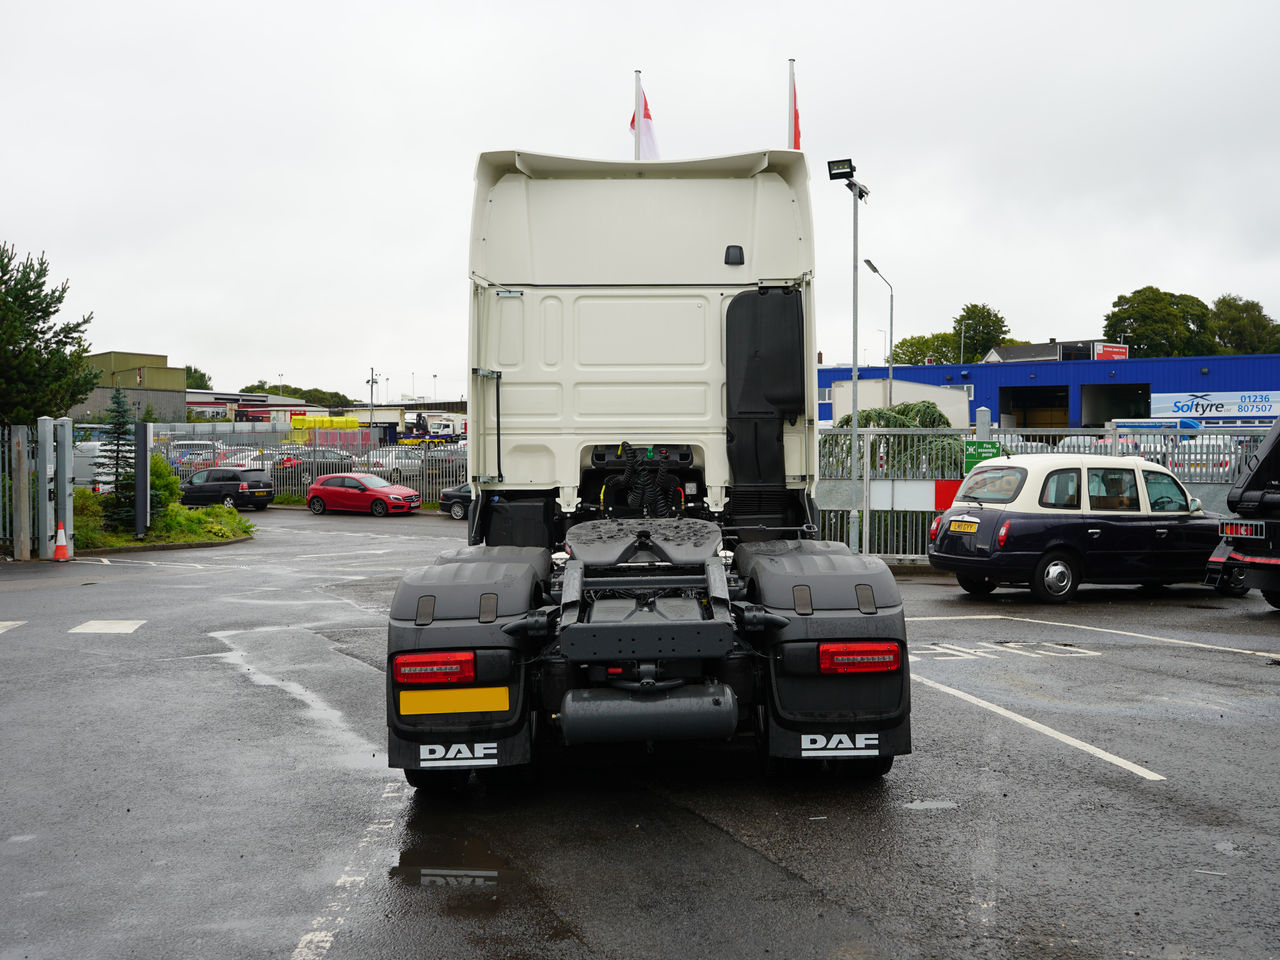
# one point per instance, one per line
(872, 267)
(844, 170)
(372, 382)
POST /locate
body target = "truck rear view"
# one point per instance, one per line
(643, 562)
(1249, 555)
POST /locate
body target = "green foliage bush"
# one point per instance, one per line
(175, 524)
(87, 508)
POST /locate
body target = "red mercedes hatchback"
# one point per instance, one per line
(361, 492)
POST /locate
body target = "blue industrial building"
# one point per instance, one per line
(1058, 394)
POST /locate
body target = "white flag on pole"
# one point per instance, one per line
(646, 143)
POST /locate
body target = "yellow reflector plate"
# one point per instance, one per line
(463, 700)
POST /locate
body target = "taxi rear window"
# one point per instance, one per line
(992, 484)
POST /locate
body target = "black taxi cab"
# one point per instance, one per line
(1054, 521)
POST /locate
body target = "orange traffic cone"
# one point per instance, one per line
(60, 547)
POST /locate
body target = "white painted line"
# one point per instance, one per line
(10, 624)
(1147, 636)
(345, 553)
(1010, 647)
(1119, 633)
(107, 626)
(1041, 728)
(967, 651)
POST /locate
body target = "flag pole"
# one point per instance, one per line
(791, 105)
(638, 117)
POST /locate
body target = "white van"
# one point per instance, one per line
(84, 469)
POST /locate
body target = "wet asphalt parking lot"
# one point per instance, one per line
(195, 766)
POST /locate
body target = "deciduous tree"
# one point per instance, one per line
(1155, 323)
(1244, 327)
(984, 328)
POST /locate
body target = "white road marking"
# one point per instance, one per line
(370, 850)
(1041, 728)
(10, 624)
(1011, 648)
(1119, 633)
(107, 626)
(344, 553)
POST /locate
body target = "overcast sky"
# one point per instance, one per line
(282, 189)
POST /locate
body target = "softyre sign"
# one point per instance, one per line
(1265, 403)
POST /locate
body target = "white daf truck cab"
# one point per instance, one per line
(643, 561)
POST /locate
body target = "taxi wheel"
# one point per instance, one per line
(1056, 578)
(978, 586)
(1272, 597)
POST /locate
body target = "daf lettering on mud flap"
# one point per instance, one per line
(459, 755)
(840, 745)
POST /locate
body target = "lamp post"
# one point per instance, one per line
(433, 387)
(372, 382)
(873, 269)
(962, 323)
(280, 376)
(844, 170)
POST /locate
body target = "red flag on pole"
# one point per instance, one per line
(793, 114)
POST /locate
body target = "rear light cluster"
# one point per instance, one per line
(449, 667)
(935, 527)
(1003, 536)
(1241, 528)
(859, 657)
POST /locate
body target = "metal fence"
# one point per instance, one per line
(16, 518)
(293, 466)
(1207, 460)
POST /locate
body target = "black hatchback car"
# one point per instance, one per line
(237, 487)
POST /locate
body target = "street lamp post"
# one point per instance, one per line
(873, 269)
(372, 382)
(433, 387)
(844, 170)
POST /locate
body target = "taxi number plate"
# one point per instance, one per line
(963, 526)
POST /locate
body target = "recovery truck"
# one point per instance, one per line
(1249, 554)
(643, 562)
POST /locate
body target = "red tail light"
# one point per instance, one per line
(458, 666)
(1003, 535)
(1238, 528)
(934, 527)
(243, 487)
(859, 657)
